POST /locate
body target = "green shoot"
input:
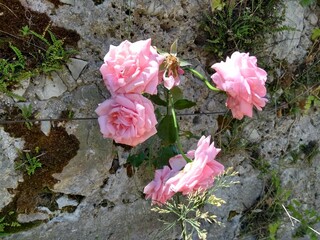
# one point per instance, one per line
(26, 112)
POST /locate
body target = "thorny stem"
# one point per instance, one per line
(176, 126)
(202, 78)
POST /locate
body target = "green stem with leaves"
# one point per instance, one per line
(202, 78)
(176, 126)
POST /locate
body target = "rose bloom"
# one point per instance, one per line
(132, 68)
(244, 83)
(127, 118)
(157, 189)
(200, 173)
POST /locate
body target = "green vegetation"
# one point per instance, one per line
(26, 112)
(262, 220)
(29, 162)
(306, 3)
(298, 91)
(4, 224)
(189, 213)
(54, 55)
(239, 25)
(12, 72)
(306, 218)
(50, 56)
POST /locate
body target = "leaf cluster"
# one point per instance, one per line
(29, 162)
(308, 218)
(262, 219)
(305, 3)
(189, 212)
(26, 112)
(4, 224)
(12, 72)
(50, 56)
(238, 25)
(167, 128)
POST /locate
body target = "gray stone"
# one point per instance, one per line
(52, 86)
(76, 66)
(22, 88)
(252, 133)
(45, 127)
(64, 201)
(87, 171)
(287, 42)
(9, 177)
(112, 207)
(67, 79)
(313, 19)
(69, 2)
(26, 218)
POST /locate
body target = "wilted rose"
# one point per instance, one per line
(244, 83)
(127, 118)
(171, 71)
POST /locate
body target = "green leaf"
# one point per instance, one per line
(176, 93)
(16, 96)
(174, 47)
(166, 130)
(315, 34)
(25, 30)
(157, 100)
(217, 5)
(164, 154)
(273, 228)
(183, 104)
(184, 63)
(137, 159)
(305, 3)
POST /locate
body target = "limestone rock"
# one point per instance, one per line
(52, 86)
(69, 2)
(289, 40)
(76, 66)
(9, 177)
(22, 88)
(87, 171)
(67, 78)
(26, 218)
(64, 201)
(45, 127)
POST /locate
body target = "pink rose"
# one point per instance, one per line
(157, 189)
(127, 118)
(132, 68)
(200, 173)
(244, 83)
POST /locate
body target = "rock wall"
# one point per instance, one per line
(106, 203)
